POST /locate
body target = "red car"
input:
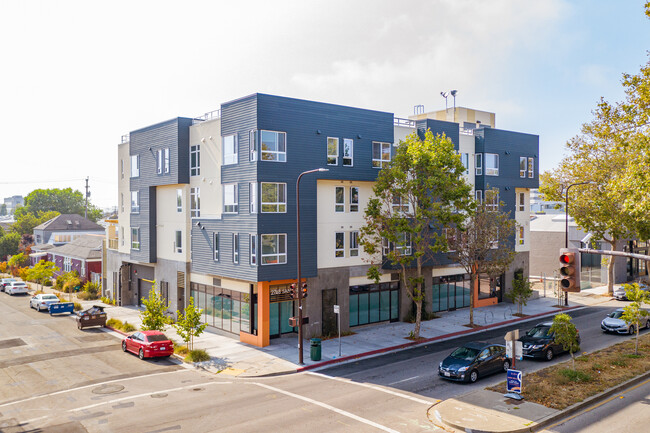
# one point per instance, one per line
(148, 344)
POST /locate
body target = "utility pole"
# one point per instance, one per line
(87, 195)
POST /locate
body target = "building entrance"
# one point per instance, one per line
(280, 310)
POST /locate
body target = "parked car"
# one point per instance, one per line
(4, 282)
(614, 323)
(473, 360)
(148, 344)
(538, 342)
(42, 301)
(619, 293)
(17, 288)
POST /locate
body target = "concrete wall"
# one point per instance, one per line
(208, 136)
(169, 220)
(124, 199)
(334, 278)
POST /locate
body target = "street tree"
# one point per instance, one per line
(9, 244)
(42, 271)
(566, 334)
(18, 260)
(420, 192)
(189, 324)
(64, 201)
(633, 314)
(25, 222)
(153, 316)
(483, 243)
(520, 293)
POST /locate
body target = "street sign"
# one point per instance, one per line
(519, 355)
(514, 381)
(337, 310)
(512, 335)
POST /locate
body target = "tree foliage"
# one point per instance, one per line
(25, 222)
(565, 333)
(421, 192)
(153, 316)
(18, 260)
(520, 293)
(189, 324)
(42, 271)
(483, 243)
(633, 314)
(63, 201)
(9, 244)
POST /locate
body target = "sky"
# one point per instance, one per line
(77, 75)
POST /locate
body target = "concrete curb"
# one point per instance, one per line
(558, 416)
(429, 340)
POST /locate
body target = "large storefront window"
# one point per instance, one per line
(281, 309)
(372, 303)
(222, 308)
(450, 292)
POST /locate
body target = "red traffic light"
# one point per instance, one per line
(567, 258)
(570, 270)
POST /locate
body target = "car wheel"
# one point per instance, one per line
(506, 365)
(631, 330)
(124, 346)
(78, 325)
(141, 354)
(549, 354)
(473, 376)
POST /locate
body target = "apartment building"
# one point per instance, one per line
(208, 210)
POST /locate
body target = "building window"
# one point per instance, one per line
(195, 202)
(531, 167)
(67, 264)
(354, 244)
(400, 204)
(230, 198)
(339, 244)
(464, 157)
(332, 151)
(522, 201)
(380, 154)
(348, 152)
(230, 149)
(135, 201)
(252, 140)
(354, 199)
(492, 200)
(403, 245)
(478, 164)
(215, 246)
(162, 161)
(491, 164)
(274, 146)
(521, 235)
(122, 168)
(195, 160)
(478, 195)
(274, 197)
(179, 200)
(340, 199)
(235, 248)
(178, 242)
(122, 201)
(274, 249)
(135, 165)
(522, 166)
(122, 235)
(253, 249)
(252, 195)
(135, 238)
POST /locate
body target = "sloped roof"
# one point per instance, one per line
(69, 222)
(85, 247)
(42, 247)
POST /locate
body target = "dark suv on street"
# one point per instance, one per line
(538, 342)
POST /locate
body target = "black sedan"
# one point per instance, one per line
(539, 342)
(474, 360)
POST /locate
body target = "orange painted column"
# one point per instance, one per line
(263, 318)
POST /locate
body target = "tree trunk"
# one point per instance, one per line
(418, 319)
(636, 340)
(610, 270)
(472, 279)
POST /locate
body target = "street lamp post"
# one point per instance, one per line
(298, 283)
(566, 226)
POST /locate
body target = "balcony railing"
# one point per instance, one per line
(207, 116)
(399, 121)
(113, 243)
(125, 138)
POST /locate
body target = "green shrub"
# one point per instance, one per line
(575, 375)
(197, 355)
(127, 327)
(47, 283)
(92, 289)
(77, 306)
(114, 323)
(181, 349)
(84, 296)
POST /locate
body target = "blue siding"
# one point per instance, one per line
(449, 129)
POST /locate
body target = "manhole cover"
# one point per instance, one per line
(108, 389)
(161, 395)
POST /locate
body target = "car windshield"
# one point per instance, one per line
(50, 297)
(157, 337)
(615, 314)
(539, 332)
(466, 353)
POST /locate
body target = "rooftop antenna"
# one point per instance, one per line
(453, 93)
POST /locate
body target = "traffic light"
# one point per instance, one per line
(292, 291)
(570, 270)
(304, 290)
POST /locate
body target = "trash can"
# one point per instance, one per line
(315, 349)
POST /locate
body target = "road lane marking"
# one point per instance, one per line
(376, 388)
(87, 386)
(327, 406)
(404, 380)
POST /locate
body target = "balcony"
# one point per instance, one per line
(112, 244)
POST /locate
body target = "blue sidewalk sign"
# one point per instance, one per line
(513, 381)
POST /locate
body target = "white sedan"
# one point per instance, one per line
(17, 287)
(43, 301)
(614, 323)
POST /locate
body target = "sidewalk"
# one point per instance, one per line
(231, 357)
